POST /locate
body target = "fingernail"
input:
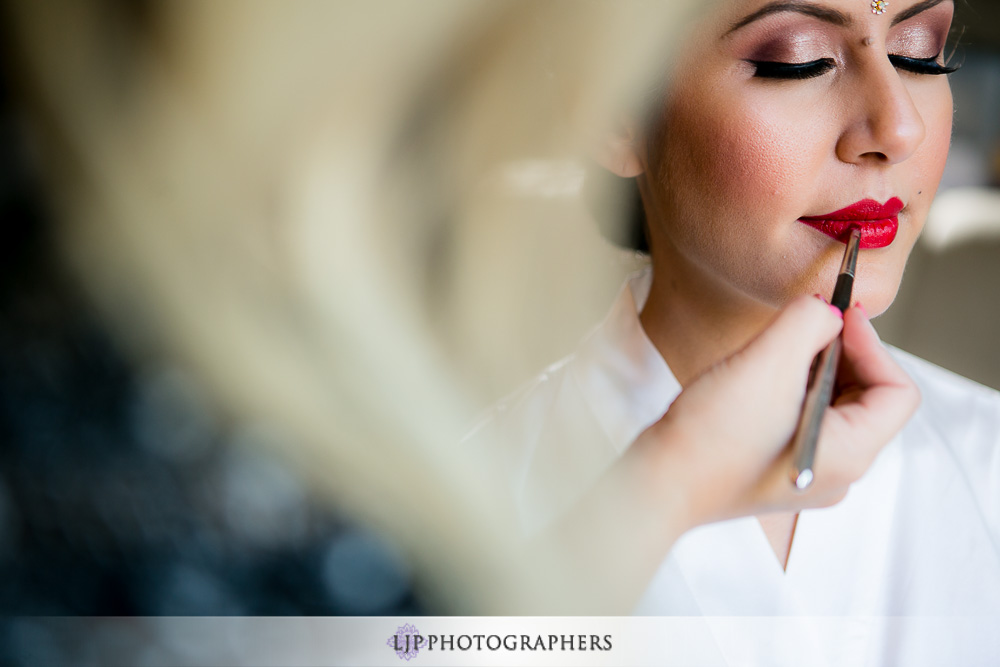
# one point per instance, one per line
(821, 298)
(836, 311)
(860, 306)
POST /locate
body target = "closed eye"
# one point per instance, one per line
(921, 65)
(777, 70)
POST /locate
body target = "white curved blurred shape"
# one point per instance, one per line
(296, 201)
(960, 215)
(542, 178)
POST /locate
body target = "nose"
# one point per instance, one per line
(884, 125)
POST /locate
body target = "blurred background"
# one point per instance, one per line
(124, 488)
(954, 271)
(127, 487)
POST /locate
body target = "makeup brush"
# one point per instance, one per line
(823, 375)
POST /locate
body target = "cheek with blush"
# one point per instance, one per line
(740, 169)
(932, 156)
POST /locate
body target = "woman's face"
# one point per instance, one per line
(781, 111)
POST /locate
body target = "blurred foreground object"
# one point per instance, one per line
(322, 208)
(124, 488)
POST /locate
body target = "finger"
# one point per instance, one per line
(866, 361)
(878, 400)
(776, 493)
(872, 415)
(870, 411)
(882, 396)
(802, 328)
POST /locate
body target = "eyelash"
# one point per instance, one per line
(777, 70)
(793, 71)
(922, 65)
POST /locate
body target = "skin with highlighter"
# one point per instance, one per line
(785, 125)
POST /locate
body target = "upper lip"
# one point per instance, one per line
(866, 209)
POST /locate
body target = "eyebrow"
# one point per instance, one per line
(918, 8)
(824, 13)
(807, 8)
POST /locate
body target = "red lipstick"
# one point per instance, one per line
(878, 222)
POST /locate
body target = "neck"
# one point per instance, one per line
(695, 326)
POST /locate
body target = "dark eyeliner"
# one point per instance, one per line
(921, 65)
(774, 70)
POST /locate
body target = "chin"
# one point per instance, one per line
(875, 286)
(877, 277)
(876, 293)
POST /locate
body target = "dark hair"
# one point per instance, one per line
(614, 201)
(617, 208)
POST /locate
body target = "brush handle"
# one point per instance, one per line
(814, 407)
(842, 292)
(819, 391)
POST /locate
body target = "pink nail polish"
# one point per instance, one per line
(836, 311)
(861, 307)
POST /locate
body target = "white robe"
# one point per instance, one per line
(905, 570)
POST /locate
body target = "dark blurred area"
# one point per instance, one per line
(123, 491)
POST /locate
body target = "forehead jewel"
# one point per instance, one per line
(879, 6)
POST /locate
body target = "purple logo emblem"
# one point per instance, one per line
(406, 642)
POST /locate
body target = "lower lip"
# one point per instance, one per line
(874, 233)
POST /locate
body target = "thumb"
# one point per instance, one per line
(800, 330)
(877, 396)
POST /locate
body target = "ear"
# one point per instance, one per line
(618, 151)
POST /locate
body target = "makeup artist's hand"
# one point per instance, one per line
(725, 438)
(722, 451)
